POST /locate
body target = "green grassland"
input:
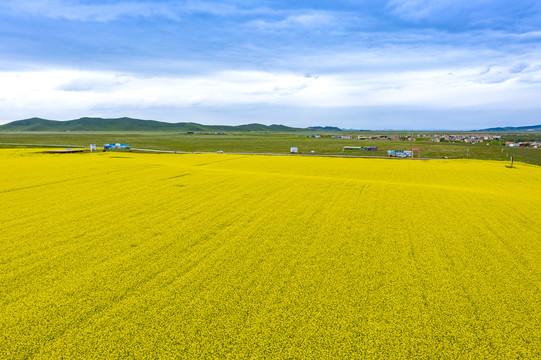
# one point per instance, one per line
(256, 142)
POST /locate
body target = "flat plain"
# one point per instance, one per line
(130, 255)
(280, 143)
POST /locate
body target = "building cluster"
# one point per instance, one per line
(468, 138)
(534, 144)
(463, 138)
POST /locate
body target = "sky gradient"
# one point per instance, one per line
(398, 64)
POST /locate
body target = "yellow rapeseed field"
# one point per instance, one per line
(146, 256)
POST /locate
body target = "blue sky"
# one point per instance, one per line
(398, 64)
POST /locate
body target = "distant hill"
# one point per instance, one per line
(515, 129)
(325, 128)
(130, 124)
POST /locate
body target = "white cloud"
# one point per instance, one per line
(393, 77)
(434, 87)
(100, 12)
(305, 20)
(100, 82)
(529, 35)
(41, 91)
(73, 10)
(416, 9)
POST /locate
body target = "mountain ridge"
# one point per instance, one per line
(514, 128)
(131, 124)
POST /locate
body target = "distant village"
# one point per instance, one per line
(466, 138)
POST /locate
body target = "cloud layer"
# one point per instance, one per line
(442, 64)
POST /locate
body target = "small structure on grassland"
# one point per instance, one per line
(399, 153)
(358, 148)
(294, 150)
(116, 146)
(371, 148)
